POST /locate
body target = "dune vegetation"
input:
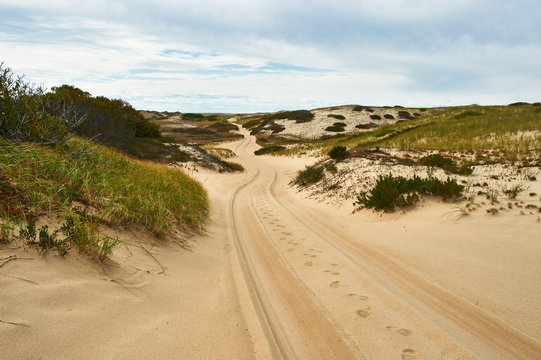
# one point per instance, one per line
(513, 131)
(83, 184)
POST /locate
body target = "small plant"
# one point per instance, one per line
(335, 128)
(47, 241)
(331, 168)
(309, 176)
(533, 194)
(404, 115)
(513, 191)
(339, 124)
(391, 191)
(269, 149)
(388, 116)
(28, 233)
(492, 195)
(81, 231)
(375, 117)
(447, 164)
(5, 230)
(338, 117)
(338, 153)
(367, 126)
(105, 248)
(460, 211)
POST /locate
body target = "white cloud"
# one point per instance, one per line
(209, 55)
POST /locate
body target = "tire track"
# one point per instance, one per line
(293, 323)
(423, 295)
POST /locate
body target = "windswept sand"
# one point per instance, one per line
(281, 275)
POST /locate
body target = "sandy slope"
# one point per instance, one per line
(282, 276)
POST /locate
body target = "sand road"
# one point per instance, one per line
(279, 276)
(320, 291)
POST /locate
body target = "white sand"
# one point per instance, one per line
(283, 275)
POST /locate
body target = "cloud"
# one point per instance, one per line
(255, 55)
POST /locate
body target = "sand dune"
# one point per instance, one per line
(281, 275)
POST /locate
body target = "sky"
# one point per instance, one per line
(267, 55)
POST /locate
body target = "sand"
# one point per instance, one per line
(281, 274)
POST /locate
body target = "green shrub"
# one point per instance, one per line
(251, 123)
(269, 149)
(390, 192)
(338, 153)
(375, 117)
(339, 124)
(331, 168)
(309, 176)
(338, 117)
(193, 117)
(404, 115)
(367, 126)
(358, 108)
(447, 164)
(388, 116)
(335, 128)
(300, 116)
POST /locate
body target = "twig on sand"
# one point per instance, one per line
(156, 260)
(14, 323)
(11, 258)
(20, 278)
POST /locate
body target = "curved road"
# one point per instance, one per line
(318, 291)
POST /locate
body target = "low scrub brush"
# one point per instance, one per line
(391, 191)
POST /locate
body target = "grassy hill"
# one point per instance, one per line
(513, 131)
(76, 185)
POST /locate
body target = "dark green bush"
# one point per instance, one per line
(390, 192)
(300, 116)
(339, 124)
(339, 117)
(404, 115)
(269, 149)
(251, 123)
(193, 117)
(367, 126)
(375, 117)
(388, 116)
(335, 128)
(358, 108)
(309, 176)
(447, 164)
(338, 153)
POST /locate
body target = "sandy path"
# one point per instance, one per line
(305, 265)
(281, 276)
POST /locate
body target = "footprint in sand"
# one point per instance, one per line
(363, 313)
(362, 297)
(335, 284)
(336, 273)
(404, 332)
(310, 255)
(308, 263)
(408, 354)
(290, 249)
(286, 233)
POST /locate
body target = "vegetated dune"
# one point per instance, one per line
(283, 274)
